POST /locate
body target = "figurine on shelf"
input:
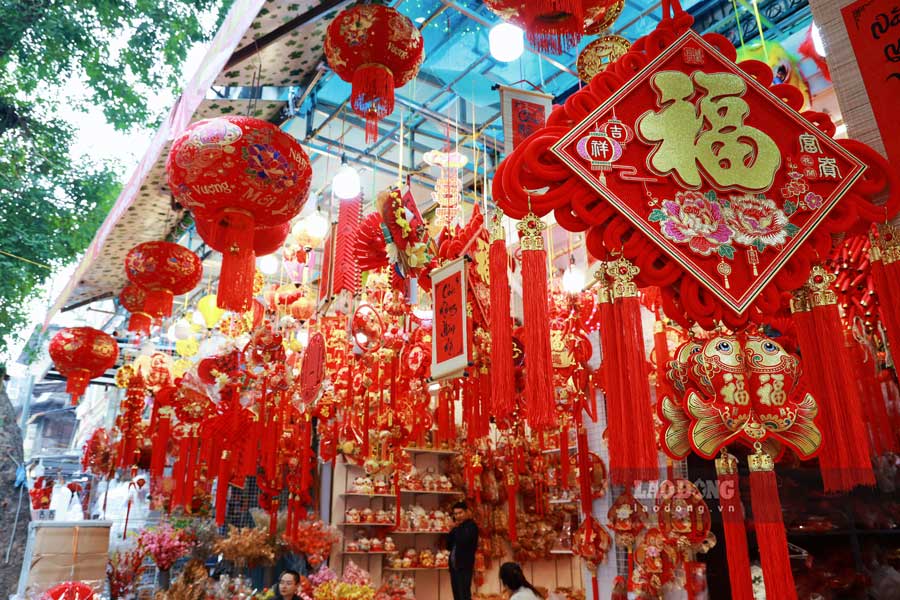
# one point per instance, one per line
(367, 515)
(364, 545)
(363, 485)
(352, 546)
(389, 545)
(381, 486)
(442, 559)
(352, 515)
(376, 545)
(426, 559)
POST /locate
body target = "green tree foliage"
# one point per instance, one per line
(123, 51)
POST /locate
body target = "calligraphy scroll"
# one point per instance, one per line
(524, 113)
(449, 339)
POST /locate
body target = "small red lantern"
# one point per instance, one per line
(164, 270)
(376, 49)
(240, 175)
(80, 354)
(132, 298)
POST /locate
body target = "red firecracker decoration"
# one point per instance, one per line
(132, 298)
(376, 49)
(80, 354)
(240, 175)
(164, 270)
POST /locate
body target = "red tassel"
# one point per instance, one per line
(372, 96)
(554, 26)
(632, 437)
(564, 456)
(502, 368)
(158, 303)
(540, 411)
(178, 472)
(511, 497)
(160, 443)
(885, 262)
(224, 476)
(234, 231)
(844, 461)
(76, 384)
(140, 322)
(769, 525)
(735, 529)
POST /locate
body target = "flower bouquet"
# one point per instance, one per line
(246, 546)
(164, 545)
(122, 570)
(335, 590)
(314, 539)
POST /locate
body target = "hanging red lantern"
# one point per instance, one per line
(164, 270)
(240, 175)
(132, 298)
(555, 26)
(376, 49)
(80, 354)
(266, 240)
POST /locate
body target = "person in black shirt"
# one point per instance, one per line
(288, 586)
(462, 542)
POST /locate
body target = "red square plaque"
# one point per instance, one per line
(714, 168)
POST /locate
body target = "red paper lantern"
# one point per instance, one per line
(164, 270)
(376, 49)
(132, 298)
(555, 26)
(266, 240)
(239, 174)
(80, 354)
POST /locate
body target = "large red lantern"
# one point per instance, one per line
(80, 354)
(240, 175)
(132, 298)
(266, 240)
(164, 270)
(376, 49)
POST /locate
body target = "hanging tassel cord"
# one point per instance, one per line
(502, 368)
(734, 526)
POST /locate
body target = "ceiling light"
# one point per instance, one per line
(345, 184)
(269, 264)
(507, 42)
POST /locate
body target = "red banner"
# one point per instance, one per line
(874, 30)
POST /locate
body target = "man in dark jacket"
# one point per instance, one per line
(288, 586)
(462, 542)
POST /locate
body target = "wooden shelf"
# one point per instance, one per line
(361, 553)
(563, 501)
(435, 451)
(420, 532)
(365, 524)
(431, 492)
(561, 551)
(365, 495)
(416, 569)
(556, 450)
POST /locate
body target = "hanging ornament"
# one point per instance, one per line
(210, 311)
(448, 185)
(376, 49)
(240, 175)
(80, 354)
(502, 369)
(132, 298)
(164, 270)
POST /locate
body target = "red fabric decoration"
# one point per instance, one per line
(845, 460)
(132, 298)
(540, 409)
(80, 354)
(769, 525)
(735, 531)
(70, 590)
(628, 408)
(164, 270)
(239, 174)
(885, 262)
(347, 273)
(502, 369)
(376, 49)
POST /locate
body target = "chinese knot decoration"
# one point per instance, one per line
(554, 26)
(376, 49)
(683, 161)
(80, 354)
(246, 179)
(164, 270)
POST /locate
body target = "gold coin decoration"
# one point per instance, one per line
(124, 375)
(597, 55)
(603, 17)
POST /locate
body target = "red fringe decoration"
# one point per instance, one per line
(540, 411)
(76, 384)
(564, 456)
(502, 369)
(844, 460)
(372, 96)
(886, 278)
(140, 322)
(158, 303)
(869, 387)
(224, 476)
(234, 233)
(161, 435)
(629, 426)
(554, 26)
(770, 534)
(735, 529)
(346, 275)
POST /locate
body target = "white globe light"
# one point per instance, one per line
(269, 264)
(345, 184)
(507, 42)
(817, 40)
(573, 280)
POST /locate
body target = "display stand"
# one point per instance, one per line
(64, 550)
